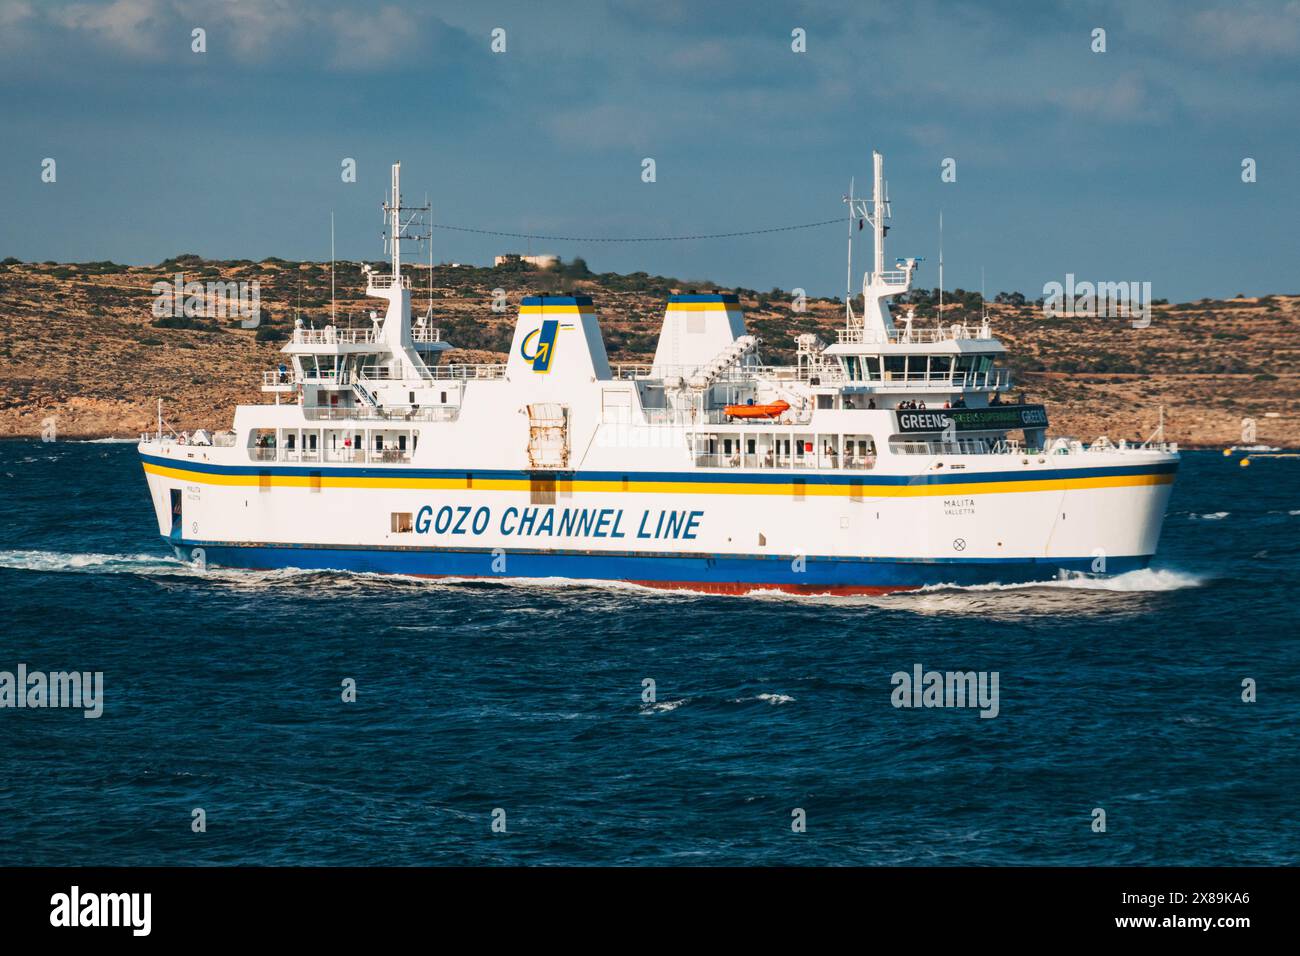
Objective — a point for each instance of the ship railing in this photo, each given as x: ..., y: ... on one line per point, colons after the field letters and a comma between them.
x: 387, y: 456
x: 397, y: 413
x: 388, y: 281
x: 737, y: 373
x: 890, y: 277
x: 960, y: 446
x: 184, y: 439
x: 948, y: 333
x: 783, y: 462
x: 719, y: 416
x: 1014, y: 446
x: 426, y: 334
x: 998, y: 378
x: 382, y: 373
x: 463, y: 372
x: 333, y: 336
x: 631, y: 370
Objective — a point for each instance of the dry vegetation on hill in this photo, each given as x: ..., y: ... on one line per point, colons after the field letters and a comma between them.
x: 80, y: 345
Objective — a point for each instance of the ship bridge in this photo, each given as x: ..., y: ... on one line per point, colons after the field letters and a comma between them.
x: 946, y: 359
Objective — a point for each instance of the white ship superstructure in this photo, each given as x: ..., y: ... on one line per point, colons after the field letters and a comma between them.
x: 888, y: 460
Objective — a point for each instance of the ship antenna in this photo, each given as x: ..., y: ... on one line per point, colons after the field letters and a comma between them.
x: 941, y: 267
x: 430, y: 241
x: 848, y: 276
x: 332, y: 320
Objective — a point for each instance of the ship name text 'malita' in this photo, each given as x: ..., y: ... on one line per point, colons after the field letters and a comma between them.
x: 887, y: 460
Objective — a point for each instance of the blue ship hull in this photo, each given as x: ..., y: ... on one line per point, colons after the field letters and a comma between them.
x: 725, y: 574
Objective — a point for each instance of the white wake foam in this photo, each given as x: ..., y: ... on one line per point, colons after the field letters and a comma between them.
x: 63, y: 561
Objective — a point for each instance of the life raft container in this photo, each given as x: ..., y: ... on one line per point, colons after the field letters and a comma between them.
x: 772, y: 410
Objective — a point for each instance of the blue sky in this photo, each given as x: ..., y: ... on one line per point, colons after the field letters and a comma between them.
x: 1123, y: 165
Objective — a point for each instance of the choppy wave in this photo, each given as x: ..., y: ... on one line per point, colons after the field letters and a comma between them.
x: 1209, y: 516
x: 663, y: 706
x: 773, y: 699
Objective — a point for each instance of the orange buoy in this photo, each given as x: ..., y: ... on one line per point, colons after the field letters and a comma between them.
x: 772, y: 410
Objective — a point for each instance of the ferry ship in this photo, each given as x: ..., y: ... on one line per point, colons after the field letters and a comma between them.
x: 889, y: 460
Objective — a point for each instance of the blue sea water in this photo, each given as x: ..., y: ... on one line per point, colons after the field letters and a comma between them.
x: 223, y: 691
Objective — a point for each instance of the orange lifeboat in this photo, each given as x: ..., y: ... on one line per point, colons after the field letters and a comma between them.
x: 773, y: 410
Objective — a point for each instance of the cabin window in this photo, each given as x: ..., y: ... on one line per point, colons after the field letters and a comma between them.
x: 940, y: 366
x: 401, y: 443
x: 261, y: 444
x: 379, y: 443
x: 851, y: 371
x: 871, y: 369
x: 412, y: 398
x: 825, y: 401
x: 401, y: 522
x: 895, y: 368
x: 859, y: 451
x: 443, y: 397
x: 750, y: 446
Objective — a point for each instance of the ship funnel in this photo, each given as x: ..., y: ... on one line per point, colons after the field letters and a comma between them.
x: 557, y: 343
x: 696, y: 329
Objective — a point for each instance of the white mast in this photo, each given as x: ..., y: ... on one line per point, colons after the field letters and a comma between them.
x: 395, y: 219
x: 880, y: 210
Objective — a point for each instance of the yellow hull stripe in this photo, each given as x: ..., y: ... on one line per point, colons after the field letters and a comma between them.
x: 808, y: 489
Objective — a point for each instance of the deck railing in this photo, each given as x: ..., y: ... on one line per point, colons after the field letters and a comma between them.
x: 809, y: 462
x: 957, y: 330
x: 425, y: 413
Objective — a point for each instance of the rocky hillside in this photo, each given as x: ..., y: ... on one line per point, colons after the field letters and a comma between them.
x: 84, y: 353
